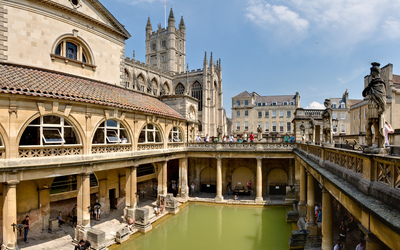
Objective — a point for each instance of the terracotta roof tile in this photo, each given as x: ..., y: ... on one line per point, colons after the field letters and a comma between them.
x: 21, y: 80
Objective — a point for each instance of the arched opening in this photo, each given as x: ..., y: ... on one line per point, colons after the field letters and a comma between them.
x: 150, y: 134
x: 180, y: 89
x: 140, y: 82
x: 277, y: 181
x: 241, y: 177
x: 73, y: 48
x: 166, y: 88
x: 173, y: 176
x: 197, y: 92
x: 208, y: 180
x: 49, y: 130
x: 111, y: 132
x: 154, y: 85
x: 175, y: 135
x: 127, y: 80
x: 147, y: 180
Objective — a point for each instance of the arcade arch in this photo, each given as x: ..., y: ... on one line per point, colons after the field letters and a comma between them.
x: 277, y: 180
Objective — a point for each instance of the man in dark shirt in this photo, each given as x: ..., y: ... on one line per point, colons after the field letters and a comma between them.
x: 83, y: 244
x: 26, y: 227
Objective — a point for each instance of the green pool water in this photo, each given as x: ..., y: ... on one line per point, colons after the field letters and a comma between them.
x: 208, y: 227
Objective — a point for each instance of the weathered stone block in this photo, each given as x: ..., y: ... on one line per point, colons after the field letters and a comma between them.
x: 142, y: 222
x: 53, y: 225
x: 97, y: 239
x: 171, y: 204
x: 298, y: 239
x: 292, y: 216
x: 122, y: 235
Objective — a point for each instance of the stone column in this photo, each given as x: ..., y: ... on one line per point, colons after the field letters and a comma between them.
x: 131, y: 191
x: 327, y: 232
x: 83, y: 205
x: 259, y: 198
x: 219, y: 196
x: 164, y: 178
x: 159, y: 178
x: 310, y: 225
x: 303, y: 190
x: 44, y: 201
x: 10, y: 215
x: 183, y: 180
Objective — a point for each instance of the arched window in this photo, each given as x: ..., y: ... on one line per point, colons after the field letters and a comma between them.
x: 49, y: 130
x: 127, y: 79
x: 175, y: 135
x: 150, y: 134
x: 165, y: 89
x: 154, y: 85
x: 180, y: 89
x: 140, y: 83
x: 68, y: 183
x: 110, y: 131
x: 72, y: 48
x: 197, y: 92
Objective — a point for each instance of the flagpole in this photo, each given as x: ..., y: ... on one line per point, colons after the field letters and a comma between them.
x: 165, y: 14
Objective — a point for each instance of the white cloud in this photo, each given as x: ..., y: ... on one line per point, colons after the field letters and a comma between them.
x: 267, y: 15
x: 315, y: 105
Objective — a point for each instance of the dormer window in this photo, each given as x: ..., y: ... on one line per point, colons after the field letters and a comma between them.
x: 273, y: 104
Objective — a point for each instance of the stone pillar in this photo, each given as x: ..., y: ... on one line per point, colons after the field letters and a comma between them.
x: 44, y: 201
x: 159, y: 179
x: 10, y: 215
x: 219, y: 196
x: 327, y: 232
x: 310, y: 225
x: 83, y: 205
x: 303, y: 190
x: 164, y: 178
x: 372, y: 243
x: 259, y: 198
x: 183, y: 180
x: 131, y: 191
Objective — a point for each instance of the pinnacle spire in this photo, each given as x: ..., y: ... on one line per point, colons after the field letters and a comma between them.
x: 148, y: 26
x: 205, y: 58
x: 182, y: 23
x: 211, y: 59
x: 171, y: 15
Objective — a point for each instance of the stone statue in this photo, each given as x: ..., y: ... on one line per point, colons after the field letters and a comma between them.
x: 259, y: 133
x: 311, y: 123
x: 376, y: 92
x: 219, y: 133
x: 303, y: 132
x: 327, y: 122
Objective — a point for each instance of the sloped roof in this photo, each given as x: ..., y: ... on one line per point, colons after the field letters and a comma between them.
x: 279, y: 99
x: 20, y: 80
x: 243, y: 94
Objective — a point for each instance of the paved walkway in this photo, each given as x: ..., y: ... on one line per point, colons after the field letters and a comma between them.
x: 63, y: 239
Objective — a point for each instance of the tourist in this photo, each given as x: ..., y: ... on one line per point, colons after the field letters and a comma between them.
x: 198, y: 138
x: 25, y: 222
x: 231, y: 138
x: 97, y: 210
x: 360, y: 246
x: 292, y: 139
x: 286, y: 138
x: 74, y: 214
x: 192, y: 186
x: 206, y: 138
x: 229, y: 188
x: 388, y: 130
x: 251, y: 137
x: 245, y: 137
x: 156, y: 211
x: 224, y: 139
x: 124, y: 140
x: 85, y: 244
x: 249, y: 185
x: 236, y: 198
x: 337, y: 246
x: 60, y: 219
x: 239, y: 139
x: 130, y: 223
x: 319, y: 215
x: 342, y: 232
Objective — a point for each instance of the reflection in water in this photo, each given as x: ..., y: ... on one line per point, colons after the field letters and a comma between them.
x: 200, y: 226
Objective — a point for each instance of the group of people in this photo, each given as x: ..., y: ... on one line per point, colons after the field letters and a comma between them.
x: 345, y: 226
x: 83, y: 244
x: 318, y: 212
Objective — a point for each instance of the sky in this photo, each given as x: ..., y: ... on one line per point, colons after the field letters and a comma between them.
x: 318, y: 48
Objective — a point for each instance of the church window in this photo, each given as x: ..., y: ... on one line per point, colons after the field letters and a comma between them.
x: 197, y: 92
x: 154, y: 47
x: 164, y: 44
x: 140, y: 83
x: 127, y: 79
x: 180, y: 89
x: 110, y: 132
x: 150, y: 134
x: 49, y: 130
x: 154, y: 85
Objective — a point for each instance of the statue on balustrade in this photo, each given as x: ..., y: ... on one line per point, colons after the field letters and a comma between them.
x: 259, y: 133
x: 219, y: 133
x: 327, y: 122
x: 376, y: 93
x: 303, y: 132
x: 311, y: 124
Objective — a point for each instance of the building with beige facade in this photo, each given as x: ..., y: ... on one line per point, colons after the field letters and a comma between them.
x: 271, y: 113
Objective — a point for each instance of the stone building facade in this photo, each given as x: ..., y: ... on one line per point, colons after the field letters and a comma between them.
x: 274, y: 114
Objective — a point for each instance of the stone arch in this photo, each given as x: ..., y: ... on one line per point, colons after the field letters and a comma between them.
x: 140, y: 80
x: 125, y: 126
x: 154, y: 86
x: 176, y: 134
x: 86, y: 50
x: 127, y: 79
x: 166, y: 88
x: 160, y: 136
x: 240, y: 177
x: 4, y: 141
x: 179, y: 89
x: 277, y: 180
x: 208, y: 180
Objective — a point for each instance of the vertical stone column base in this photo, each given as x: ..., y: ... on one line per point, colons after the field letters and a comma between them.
x: 144, y: 228
x: 129, y: 212
x: 4, y: 247
x: 184, y: 192
x: 259, y: 200
x: 219, y: 198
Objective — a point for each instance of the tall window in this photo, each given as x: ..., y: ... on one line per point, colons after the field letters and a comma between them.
x: 343, y: 128
x: 281, y: 114
x: 342, y: 106
x: 150, y: 134
x: 274, y: 127
x: 246, y: 113
x: 334, y: 115
x: 259, y: 114
x: 288, y: 113
x: 238, y: 126
x: 49, y: 130
x: 266, y: 114
x: 110, y: 132
x: 246, y: 102
x: 342, y: 115
x: 197, y: 92
x: 238, y: 113
x: 175, y: 135
x: 166, y: 88
x: 238, y: 103
x: 140, y: 83
x: 267, y: 127
x: 288, y: 127
x: 246, y: 126
x: 334, y: 127
x: 180, y: 89
x: 281, y: 127
x: 273, y: 114
x: 154, y: 85
x: 127, y: 79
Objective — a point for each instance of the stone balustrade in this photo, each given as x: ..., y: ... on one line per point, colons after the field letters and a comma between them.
x: 48, y: 151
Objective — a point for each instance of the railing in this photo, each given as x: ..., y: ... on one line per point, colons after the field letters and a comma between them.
x: 47, y: 151
x: 346, y: 159
x: 150, y: 146
x: 176, y: 145
x: 388, y: 172
x: 313, y: 112
x: 241, y: 146
x: 111, y: 148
